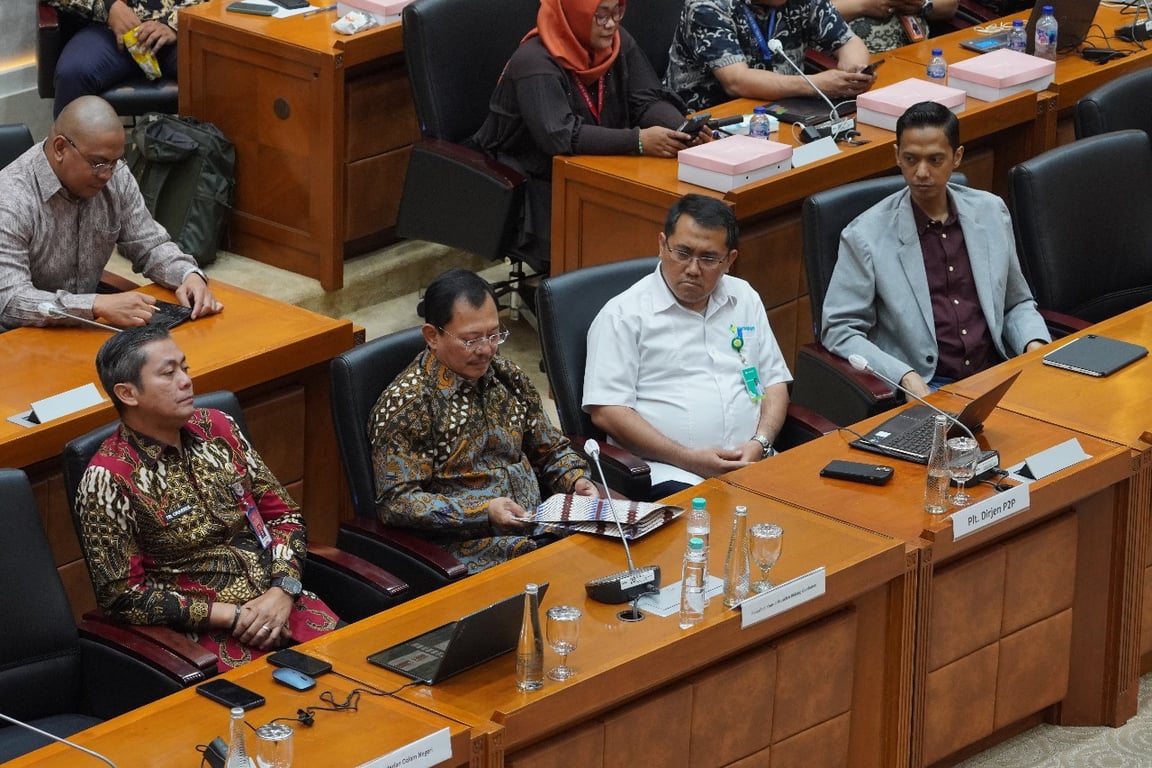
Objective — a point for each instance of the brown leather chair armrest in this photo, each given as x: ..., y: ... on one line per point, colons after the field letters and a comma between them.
x: 110, y: 282
x: 1060, y: 324
x: 47, y: 17
x: 358, y: 567
x: 809, y: 421
x: 830, y: 386
x: 172, y: 641
x: 121, y: 638
x: 425, y: 551
x: 475, y: 159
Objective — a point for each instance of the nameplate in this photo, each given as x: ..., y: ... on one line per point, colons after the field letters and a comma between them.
x: 57, y: 406
x: 430, y: 750
x: 1050, y: 461
x: 989, y: 511
x: 782, y: 597
x: 813, y: 151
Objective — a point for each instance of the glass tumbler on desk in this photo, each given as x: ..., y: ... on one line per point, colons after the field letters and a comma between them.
x: 963, y: 453
x: 767, y: 543
x: 274, y: 746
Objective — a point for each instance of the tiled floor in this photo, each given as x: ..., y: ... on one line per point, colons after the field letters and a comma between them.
x: 381, y: 291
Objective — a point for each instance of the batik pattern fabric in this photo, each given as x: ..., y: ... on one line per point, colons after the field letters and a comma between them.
x: 444, y: 446
x: 165, y: 11
x: 166, y: 532
x: 716, y: 33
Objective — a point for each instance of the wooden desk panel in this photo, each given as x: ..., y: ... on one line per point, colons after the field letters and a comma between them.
x: 314, y: 115
x: 273, y: 355
x: 620, y: 664
x: 1084, y: 511
x: 165, y: 733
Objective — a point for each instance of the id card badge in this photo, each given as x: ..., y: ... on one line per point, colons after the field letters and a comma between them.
x: 752, y: 384
x: 256, y: 522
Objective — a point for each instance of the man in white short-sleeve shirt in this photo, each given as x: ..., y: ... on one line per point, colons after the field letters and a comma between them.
x: 683, y: 369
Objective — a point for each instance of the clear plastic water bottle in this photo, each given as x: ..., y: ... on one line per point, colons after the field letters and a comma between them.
x: 738, y: 565
x: 1018, y: 37
x: 1047, y: 32
x: 758, y: 125
x: 937, y: 67
x: 936, y: 488
x: 237, y: 752
x: 693, y: 584
x: 530, y: 648
x: 700, y: 523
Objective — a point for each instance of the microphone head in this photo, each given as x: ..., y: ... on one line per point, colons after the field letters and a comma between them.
x: 775, y: 46
x: 592, y: 448
x: 859, y: 362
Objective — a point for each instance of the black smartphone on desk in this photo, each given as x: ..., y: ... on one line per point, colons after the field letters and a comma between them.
x: 229, y: 694
x: 858, y: 472
x: 301, y: 662
x: 256, y: 9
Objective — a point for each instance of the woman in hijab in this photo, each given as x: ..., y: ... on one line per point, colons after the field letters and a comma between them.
x: 577, y: 85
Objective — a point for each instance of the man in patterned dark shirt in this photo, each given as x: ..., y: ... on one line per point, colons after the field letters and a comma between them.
x: 95, y: 59
x: 462, y: 449
x: 720, y: 51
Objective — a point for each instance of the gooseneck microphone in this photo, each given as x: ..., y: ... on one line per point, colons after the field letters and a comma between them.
x: 626, y: 585
x: 836, y: 125
x: 49, y: 309
x: 54, y: 737
x: 860, y: 363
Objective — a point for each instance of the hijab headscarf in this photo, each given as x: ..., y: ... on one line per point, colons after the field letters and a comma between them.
x: 565, y: 28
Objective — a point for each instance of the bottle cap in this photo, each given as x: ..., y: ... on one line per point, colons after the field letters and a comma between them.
x: 937, y: 51
x: 1047, y: 9
x: 696, y: 543
x: 531, y: 588
x: 698, y: 503
x: 1018, y: 23
x: 760, y: 110
x: 741, y: 510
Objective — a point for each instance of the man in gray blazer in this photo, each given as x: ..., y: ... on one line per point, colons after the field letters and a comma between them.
x: 927, y: 285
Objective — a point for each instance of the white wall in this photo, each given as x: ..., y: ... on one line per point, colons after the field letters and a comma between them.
x: 19, y: 102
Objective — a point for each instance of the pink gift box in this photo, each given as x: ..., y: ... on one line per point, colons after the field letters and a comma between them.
x: 883, y: 106
x: 384, y: 11
x: 1001, y: 73
x: 732, y: 162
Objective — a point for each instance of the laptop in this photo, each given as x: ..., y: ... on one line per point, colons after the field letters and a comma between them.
x: 1075, y: 20
x: 1095, y: 355
x: 459, y: 645
x: 908, y: 434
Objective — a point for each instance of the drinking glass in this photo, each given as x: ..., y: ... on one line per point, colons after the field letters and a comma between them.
x: 563, y: 631
x: 963, y: 453
x: 274, y: 746
x: 767, y: 541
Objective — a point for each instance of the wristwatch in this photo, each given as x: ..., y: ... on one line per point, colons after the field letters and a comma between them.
x: 765, y: 443
x: 290, y: 585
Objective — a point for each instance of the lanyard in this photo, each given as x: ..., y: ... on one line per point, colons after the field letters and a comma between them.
x: 760, y: 40
x: 599, y: 107
x: 749, y: 374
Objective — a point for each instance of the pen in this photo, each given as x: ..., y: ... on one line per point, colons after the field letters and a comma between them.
x: 315, y: 11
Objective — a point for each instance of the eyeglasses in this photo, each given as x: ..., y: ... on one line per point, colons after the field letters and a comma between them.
x: 495, y: 339
x: 684, y: 258
x: 603, y: 14
x: 98, y: 169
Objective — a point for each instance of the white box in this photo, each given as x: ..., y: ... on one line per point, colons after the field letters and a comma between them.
x: 384, y: 11
x: 995, y: 75
x: 725, y: 164
x: 883, y: 106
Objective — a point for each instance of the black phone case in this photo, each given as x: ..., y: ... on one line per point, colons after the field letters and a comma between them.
x: 229, y: 694
x: 301, y: 662
x: 256, y: 9
x: 858, y: 472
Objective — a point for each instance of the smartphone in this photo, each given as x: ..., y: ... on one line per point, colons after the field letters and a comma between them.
x: 301, y: 662
x: 297, y: 681
x: 871, y: 68
x: 858, y: 472
x: 692, y: 125
x: 229, y: 694
x: 256, y: 9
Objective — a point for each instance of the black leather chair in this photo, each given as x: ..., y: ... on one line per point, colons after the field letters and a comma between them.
x: 132, y: 98
x: 566, y: 306
x: 1084, y: 247
x: 453, y: 194
x: 15, y: 139
x: 353, y: 588
x: 652, y: 24
x: 825, y: 382
x: 1117, y: 105
x: 358, y: 377
x: 52, y: 675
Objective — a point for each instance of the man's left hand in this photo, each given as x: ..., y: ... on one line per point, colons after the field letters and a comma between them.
x: 263, y: 621
x: 1034, y: 344
x: 194, y: 292
x: 154, y: 35
x: 585, y: 487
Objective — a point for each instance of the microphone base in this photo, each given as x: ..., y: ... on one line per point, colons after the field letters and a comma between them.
x: 624, y: 587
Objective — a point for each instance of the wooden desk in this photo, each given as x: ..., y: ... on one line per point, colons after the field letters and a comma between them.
x: 165, y: 733
x: 322, y: 125
x: 1025, y: 620
x: 607, y: 209
x: 824, y: 684
x: 1116, y: 408
x: 273, y: 355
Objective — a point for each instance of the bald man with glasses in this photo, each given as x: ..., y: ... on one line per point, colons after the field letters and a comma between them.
x: 64, y: 205
x: 683, y: 369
